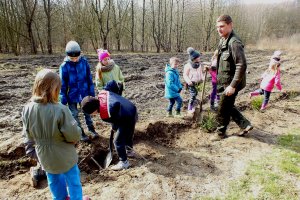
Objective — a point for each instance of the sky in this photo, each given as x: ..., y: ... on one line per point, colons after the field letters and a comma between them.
x: 265, y: 1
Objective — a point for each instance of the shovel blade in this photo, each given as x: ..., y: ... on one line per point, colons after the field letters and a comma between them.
x: 109, y: 156
x: 108, y: 160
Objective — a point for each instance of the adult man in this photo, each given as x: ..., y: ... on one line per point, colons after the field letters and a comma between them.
x: 231, y: 66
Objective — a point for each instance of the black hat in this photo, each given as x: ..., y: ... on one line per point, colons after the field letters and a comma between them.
x: 193, y: 53
x: 90, y: 104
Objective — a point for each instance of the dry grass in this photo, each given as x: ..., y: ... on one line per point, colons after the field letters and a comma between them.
x: 291, y: 43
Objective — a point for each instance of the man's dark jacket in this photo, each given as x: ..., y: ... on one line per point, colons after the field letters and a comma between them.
x: 231, y: 63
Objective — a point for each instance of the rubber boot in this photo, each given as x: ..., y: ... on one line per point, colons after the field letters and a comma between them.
x: 84, y: 137
x: 252, y: 94
x: 169, y: 114
x: 37, y: 174
x: 263, y: 106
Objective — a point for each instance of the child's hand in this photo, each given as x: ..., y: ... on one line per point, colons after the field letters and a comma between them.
x: 283, y: 91
x: 206, y: 67
x: 190, y: 83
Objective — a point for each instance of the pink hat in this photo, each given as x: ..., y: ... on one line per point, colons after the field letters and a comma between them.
x: 102, y: 54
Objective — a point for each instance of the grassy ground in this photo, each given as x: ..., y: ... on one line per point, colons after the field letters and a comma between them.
x: 275, y: 176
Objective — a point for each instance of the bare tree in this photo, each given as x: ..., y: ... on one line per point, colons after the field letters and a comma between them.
x: 132, y: 26
x: 156, y: 25
x: 29, y: 9
x: 104, y: 24
x: 47, y: 9
x: 143, y: 26
x: 179, y: 25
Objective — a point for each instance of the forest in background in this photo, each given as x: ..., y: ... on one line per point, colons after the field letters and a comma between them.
x: 45, y: 26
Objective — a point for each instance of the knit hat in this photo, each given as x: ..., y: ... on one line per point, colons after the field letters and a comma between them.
x: 193, y: 53
x: 276, y: 55
x: 90, y: 104
x: 102, y: 54
x: 73, y: 49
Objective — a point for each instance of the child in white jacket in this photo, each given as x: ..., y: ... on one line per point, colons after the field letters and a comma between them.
x: 193, y: 76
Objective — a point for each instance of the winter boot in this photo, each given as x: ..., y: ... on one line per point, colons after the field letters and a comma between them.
x: 213, y: 107
x: 252, y: 94
x: 130, y: 152
x: 37, y: 174
x: 191, y: 108
x: 169, y: 114
x: 121, y: 165
x: 178, y: 114
x: 263, y: 106
x: 84, y: 137
x: 93, y: 133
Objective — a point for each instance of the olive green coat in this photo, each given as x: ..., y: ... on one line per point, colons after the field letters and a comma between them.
x: 54, y: 131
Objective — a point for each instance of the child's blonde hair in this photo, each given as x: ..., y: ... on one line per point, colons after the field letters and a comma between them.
x: 173, y: 60
x: 46, y: 87
x: 273, y: 66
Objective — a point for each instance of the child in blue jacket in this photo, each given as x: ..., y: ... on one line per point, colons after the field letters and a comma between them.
x: 173, y: 86
x: 118, y: 111
x: 77, y: 83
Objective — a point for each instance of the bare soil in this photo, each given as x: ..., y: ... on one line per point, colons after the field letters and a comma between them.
x: 180, y: 160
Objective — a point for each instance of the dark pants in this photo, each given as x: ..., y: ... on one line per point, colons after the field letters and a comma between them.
x: 88, y: 119
x: 193, y: 94
x: 227, y: 111
x: 172, y: 102
x: 124, y: 137
x: 213, y: 94
x: 266, y: 95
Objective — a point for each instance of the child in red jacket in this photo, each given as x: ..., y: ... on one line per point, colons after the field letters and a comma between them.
x: 118, y: 111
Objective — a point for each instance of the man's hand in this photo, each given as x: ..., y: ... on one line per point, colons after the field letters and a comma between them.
x: 229, y: 91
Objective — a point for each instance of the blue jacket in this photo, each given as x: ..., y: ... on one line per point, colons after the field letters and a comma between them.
x: 76, y: 81
x: 114, y: 108
x: 172, y: 82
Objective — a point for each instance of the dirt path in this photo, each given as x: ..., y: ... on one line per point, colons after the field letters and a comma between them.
x: 181, y: 161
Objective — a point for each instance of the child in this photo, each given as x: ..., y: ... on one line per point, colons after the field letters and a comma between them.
x: 118, y: 111
x: 77, y: 83
x: 50, y: 126
x: 213, y: 72
x: 193, y: 75
x: 270, y: 78
x: 107, y: 70
x: 173, y: 86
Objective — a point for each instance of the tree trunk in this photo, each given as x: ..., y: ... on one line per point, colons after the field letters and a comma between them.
x: 143, y: 27
x: 47, y: 8
x: 132, y: 26
x: 29, y: 14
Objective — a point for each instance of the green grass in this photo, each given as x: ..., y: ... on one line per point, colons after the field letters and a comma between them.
x: 256, y: 102
x: 272, y: 177
x: 209, y: 122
